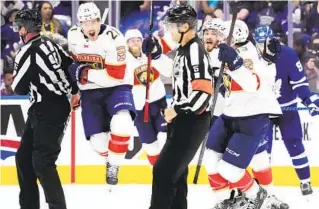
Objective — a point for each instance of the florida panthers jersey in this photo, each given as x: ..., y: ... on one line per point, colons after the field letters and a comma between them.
x: 213, y: 55
x: 290, y: 79
x: 106, y: 55
x: 137, y: 66
x: 248, y: 89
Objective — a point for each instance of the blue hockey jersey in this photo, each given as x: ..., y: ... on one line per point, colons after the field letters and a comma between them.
x: 291, y: 81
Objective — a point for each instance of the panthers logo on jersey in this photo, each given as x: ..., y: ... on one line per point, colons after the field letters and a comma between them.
x: 248, y: 63
x: 95, y: 61
x: 141, y: 75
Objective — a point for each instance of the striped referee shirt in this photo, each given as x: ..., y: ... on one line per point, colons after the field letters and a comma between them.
x: 192, y: 80
x: 41, y: 70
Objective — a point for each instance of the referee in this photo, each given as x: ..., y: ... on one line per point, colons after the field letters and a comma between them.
x: 41, y: 70
x: 189, y: 116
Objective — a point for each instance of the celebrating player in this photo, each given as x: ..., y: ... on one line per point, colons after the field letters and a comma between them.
x: 211, y: 38
x: 106, y: 90
x: 291, y: 84
x: 235, y: 136
x: 150, y: 132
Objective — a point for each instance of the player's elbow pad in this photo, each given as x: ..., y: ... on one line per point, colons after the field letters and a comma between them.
x: 303, y: 92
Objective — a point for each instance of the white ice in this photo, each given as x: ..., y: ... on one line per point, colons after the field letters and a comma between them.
x: 138, y: 197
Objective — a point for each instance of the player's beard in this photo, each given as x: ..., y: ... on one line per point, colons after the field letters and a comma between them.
x: 136, y: 51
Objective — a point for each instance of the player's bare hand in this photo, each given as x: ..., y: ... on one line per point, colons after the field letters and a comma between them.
x: 169, y: 114
x: 75, y: 102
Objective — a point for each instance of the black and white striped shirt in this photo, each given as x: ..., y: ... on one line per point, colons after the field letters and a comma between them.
x: 192, y: 82
x: 41, y: 70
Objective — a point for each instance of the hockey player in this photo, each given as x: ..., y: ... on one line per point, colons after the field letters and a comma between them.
x: 211, y: 38
x: 248, y: 103
x: 291, y: 84
x: 106, y: 90
x: 150, y: 132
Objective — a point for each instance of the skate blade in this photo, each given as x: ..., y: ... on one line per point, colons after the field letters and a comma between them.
x: 308, y: 198
x: 110, y: 188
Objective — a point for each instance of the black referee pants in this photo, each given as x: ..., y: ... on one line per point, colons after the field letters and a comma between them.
x: 170, y: 172
x: 39, y: 149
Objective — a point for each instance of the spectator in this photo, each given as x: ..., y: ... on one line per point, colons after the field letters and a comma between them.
x: 301, y: 42
x: 212, y: 8
x: 314, y: 44
x: 7, y: 79
x: 311, y: 68
x: 129, y: 7
x: 51, y: 27
x: 7, y: 6
x: 310, y: 17
x: 10, y: 39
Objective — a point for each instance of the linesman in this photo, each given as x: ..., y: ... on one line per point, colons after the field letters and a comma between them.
x: 41, y: 70
x: 189, y: 115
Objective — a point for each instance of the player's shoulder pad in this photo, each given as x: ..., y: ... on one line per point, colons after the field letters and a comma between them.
x: 74, y: 31
x: 109, y: 29
x: 288, y: 53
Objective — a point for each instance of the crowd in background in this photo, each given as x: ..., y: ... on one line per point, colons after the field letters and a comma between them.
x: 56, y: 17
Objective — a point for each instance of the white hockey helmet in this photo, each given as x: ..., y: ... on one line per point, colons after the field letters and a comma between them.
x: 241, y: 31
x: 133, y: 33
x: 213, y: 24
x: 88, y: 11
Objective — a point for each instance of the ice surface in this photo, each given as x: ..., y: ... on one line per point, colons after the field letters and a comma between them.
x: 138, y: 197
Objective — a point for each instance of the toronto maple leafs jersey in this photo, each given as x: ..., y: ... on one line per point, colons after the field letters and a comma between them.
x: 137, y: 66
x: 291, y: 81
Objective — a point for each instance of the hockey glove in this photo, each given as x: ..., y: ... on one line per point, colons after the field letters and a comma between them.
x: 151, y: 45
x: 228, y: 55
x: 313, y: 104
x: 272, y: 50
x: 79, y: 72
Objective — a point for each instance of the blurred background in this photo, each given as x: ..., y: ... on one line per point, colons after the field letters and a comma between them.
x: 295, y: 23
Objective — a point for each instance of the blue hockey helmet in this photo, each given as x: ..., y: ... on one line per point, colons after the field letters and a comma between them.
x: 262, y: 32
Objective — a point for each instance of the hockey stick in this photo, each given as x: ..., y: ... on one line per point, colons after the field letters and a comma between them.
x: 149, y: 68
x: 233, y: 7
x: 106, y: 11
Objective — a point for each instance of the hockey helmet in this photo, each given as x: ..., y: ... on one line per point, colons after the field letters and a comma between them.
x: 213, y: 24
x: 133, y: 33
x: 28, y: 18
x: 88, y: 11
x: 240, y: 33
x: 181, y: 14
x: 262, y: 32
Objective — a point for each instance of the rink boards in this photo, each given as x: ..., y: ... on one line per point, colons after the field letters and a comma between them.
x: 79, y: 164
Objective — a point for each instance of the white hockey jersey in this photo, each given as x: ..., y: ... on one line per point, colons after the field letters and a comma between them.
x: 106, y: 55
x: 137, y: 66
x: 216, y: 66
x: 249, y: 89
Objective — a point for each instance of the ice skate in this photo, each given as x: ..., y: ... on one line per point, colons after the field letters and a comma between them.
x: 306, y: 190
x: 111, y: 175
x: 231, y: 203
x: 258, y: 202
x: 275, y: 203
